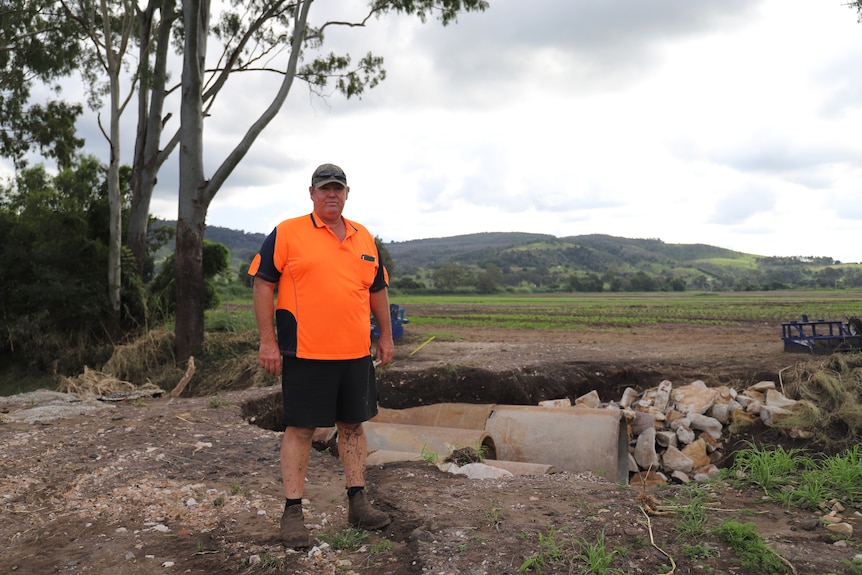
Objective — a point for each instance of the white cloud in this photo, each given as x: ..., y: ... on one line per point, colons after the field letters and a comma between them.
x: 727, y: 122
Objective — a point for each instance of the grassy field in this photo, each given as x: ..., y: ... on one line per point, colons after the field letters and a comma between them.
x: 583, y: 311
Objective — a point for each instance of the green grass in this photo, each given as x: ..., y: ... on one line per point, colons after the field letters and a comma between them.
x: 749, y: 546
x: 586, y: 311
x: 794, y: 478
x: 596, y: 556
x: 624, y: 310
x: 693, y: 512
x: 771, y: 469
x: 555, y: 549
x: 349, y: 539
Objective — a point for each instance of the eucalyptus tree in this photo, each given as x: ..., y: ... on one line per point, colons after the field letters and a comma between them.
x: 252, y: 30
x: 108, y: 27
x: 37, y: 44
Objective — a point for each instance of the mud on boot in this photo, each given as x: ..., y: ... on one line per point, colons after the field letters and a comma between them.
x: 293, y: 531
x: 362, y: 514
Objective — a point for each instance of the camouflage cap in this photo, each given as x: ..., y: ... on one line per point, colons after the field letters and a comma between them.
x: 328, y: 173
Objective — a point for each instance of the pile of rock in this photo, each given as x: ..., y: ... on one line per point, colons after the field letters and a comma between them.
x: 678, y: 433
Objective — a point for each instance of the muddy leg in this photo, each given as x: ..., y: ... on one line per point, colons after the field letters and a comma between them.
x: 295, y: 450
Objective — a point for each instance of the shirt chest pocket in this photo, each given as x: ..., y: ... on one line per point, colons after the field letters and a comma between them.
x: 365, y: 267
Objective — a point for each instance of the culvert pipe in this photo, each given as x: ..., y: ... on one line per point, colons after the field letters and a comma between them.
x: 563, y: 438
x: 441, y: 441
x: 569, y: 438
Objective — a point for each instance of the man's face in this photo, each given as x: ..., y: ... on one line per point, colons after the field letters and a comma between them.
x: 329, y: 199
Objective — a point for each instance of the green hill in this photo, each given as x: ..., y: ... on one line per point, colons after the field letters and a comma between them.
x: 539, y: 262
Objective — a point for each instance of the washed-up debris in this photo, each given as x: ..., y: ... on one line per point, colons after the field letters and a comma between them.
x: 678, y: 433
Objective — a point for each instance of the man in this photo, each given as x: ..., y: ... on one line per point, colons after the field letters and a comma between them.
x: 329, y: 277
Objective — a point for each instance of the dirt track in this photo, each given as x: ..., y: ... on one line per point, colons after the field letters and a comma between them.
x: 190, y: 486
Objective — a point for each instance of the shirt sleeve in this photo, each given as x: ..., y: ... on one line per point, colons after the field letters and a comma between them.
x: 381, y: 280
x: 263, y: 265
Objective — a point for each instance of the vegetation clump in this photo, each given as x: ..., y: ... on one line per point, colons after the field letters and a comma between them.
x: 753, y: 553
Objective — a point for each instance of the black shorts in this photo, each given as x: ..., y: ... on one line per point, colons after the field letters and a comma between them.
x: 317, y: 393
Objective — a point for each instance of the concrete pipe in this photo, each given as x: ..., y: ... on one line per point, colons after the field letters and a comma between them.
x: 441, y: 441
x: 457, y: 415
x: 568, y: 438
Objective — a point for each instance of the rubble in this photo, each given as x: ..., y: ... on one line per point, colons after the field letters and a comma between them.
x: 679, y: 432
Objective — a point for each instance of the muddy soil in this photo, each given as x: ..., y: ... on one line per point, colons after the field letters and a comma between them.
x: 192, y: 485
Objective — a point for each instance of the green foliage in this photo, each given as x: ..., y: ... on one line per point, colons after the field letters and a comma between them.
x: 795, y: 479
x: 554, y: 550
x: 596, y: 556
x: 753, y: 553
x: 39, y: 43
x: 698, y: 552
x: 349, y: 539
x: 550, y: 552
x: 53, y: 251
x: 770, y: 468
x: 693, y: 512
x: 385, y: 256
x: 215, y: 261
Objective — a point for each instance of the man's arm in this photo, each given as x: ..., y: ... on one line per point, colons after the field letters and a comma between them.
x: 264, y: 309
x: 380, y: 309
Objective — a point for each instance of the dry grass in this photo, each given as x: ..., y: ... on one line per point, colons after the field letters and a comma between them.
x: 830, y: 391
x: 227, y: 361
x: 96, y: 383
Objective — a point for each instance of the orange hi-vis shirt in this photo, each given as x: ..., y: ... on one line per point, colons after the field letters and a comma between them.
x: 323, y: 308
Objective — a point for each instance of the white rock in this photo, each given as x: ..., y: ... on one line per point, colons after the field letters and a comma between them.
x: 564, y: 402
x: 476, y: 471
x: 645, y: 453
x: 590, y: 399
x: 721, y: 411
x: 694, y: 398
x: 662, y: 396
x: 705, y: 473
x: 675, y: 460
x: 680, y: 422
x: 762, y: 386
x: 705, y: 423
x: 685, y: 435
x: 666, y: 438
x: 629, y: 396
x: 777, y: 399
x: 680, y: 476
x: 642, y: 422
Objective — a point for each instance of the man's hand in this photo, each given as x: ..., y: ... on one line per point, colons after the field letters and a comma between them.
x: 270, y: 357
x: 385, y: 349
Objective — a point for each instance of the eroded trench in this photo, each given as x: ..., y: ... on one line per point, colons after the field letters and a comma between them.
x: 442, y: 409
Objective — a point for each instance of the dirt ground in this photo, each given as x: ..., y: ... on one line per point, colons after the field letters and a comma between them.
x: 192, y: 485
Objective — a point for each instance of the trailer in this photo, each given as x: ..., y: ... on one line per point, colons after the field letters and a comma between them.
x: 821, y: 336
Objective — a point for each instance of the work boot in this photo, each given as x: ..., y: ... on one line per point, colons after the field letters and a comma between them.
x: 361, y: 514
x: 293, y: 531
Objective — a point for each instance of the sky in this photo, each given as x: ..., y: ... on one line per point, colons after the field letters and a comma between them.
x: 733, y: 123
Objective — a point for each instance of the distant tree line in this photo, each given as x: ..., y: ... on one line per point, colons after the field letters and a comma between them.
x: 771, y: 274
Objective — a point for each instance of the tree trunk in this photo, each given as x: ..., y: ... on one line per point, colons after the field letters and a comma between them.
x: 115, y: 199
x: 189, y: 335
x: 151, y: 98
x: 191, y: 218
